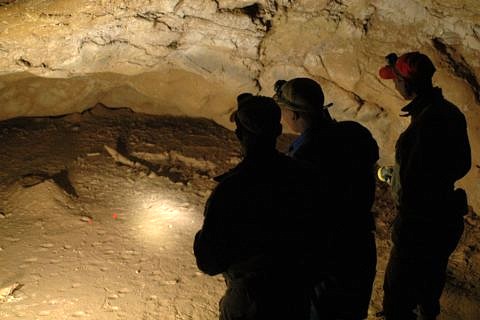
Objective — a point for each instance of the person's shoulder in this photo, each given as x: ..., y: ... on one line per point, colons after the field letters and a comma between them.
x: 293, y: 169
x: 353, y: 127
x: 439, y: 104
x: 452, y: 111
x: 359, y: 139
x: 443, y: 112
x: 229, y: 181
x: 286, y: 162
x: 355, y: 131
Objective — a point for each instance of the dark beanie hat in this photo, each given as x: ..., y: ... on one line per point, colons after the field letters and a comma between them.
x: 257, y: 114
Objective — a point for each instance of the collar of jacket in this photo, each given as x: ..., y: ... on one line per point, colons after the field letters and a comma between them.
x: 421, y: 101
x: 297, y: 143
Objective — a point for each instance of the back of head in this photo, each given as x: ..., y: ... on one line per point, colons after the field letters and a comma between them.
x: 302, y: 95
x: 259, y: 116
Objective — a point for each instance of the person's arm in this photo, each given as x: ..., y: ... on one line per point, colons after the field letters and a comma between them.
x: 211, y: 242
x: 445, y: 149
x: 423, y: 157
x: 461, y: 144
x: 439, y: 155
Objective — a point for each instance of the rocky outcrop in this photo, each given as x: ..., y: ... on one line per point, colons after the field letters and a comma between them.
x: 189, y: 57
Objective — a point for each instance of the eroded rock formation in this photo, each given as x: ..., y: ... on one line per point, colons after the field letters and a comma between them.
x: 192, y: 57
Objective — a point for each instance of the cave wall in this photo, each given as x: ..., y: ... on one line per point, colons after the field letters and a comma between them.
x: 192, y: 57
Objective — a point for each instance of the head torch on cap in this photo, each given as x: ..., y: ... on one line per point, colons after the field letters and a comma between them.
x: 300, y: 95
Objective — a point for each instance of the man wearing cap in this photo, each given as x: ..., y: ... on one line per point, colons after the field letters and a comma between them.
x: 431, y: 155
x: 258, y: 225
x: 344, y: 154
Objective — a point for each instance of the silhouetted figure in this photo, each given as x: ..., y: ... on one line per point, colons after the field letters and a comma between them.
x: 344, y: 154
x: 431, y: 154
x: 259, y: 223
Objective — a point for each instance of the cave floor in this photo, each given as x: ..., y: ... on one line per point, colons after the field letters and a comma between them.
x: 87, y: 233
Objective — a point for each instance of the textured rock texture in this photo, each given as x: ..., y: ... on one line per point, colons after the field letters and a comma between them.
x: 192, y: 57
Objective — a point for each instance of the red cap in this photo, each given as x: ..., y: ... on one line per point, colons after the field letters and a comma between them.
x: 386, y: 72
x: 409, y: 65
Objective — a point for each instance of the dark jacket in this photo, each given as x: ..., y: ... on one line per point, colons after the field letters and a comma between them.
x: 259, y: 229
x: 261, y: 207
x: 345, y: 153
x: 431, y: 154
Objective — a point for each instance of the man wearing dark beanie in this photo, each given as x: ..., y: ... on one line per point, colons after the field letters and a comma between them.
x: 260, y: 222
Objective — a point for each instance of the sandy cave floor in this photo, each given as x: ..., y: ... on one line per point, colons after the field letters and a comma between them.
x: 82, y: 236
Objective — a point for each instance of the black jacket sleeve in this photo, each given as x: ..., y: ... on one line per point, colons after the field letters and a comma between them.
x: 211, y: 242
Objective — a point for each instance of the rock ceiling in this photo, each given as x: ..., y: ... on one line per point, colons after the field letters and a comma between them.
x: 192, y: 57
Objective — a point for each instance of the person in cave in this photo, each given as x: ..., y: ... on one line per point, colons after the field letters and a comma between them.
x: 431, y: 154
x: 344, y: 153
x: 259, y: 223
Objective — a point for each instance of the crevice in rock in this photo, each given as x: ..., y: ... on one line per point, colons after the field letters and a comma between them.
x: 27, y: 63
x: 55, y: 15
x: 156, y: 18
x: 92, y: 15
x: 173, y: 45
x: 360, y: 102
x: 458, y: 64
x: 6, y: 2
x: 24, y: 62
x: 323, y: 64
x: 476, y: 31
x: 198, y: 65
x: 178, y: 5
x: 150, y: 16
x: 367, y: 23
x: 258, y: 13
x: 224, y: 26
x: 107, y: 42
x: 358, y: 99
x: 254, y: 11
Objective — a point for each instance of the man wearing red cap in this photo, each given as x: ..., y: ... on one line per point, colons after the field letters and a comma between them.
x: 431, y: 155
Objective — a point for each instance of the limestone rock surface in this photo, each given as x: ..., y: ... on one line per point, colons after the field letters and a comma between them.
x: 192, y: 57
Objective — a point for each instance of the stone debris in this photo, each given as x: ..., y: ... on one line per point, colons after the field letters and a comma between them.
x: 7, y: 291
x: 127, y: 162
x: 85, y: 219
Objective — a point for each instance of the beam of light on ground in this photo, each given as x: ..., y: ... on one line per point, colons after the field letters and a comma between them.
x: 163, y: 217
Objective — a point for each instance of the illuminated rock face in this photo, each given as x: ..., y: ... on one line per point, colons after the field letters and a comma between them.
x: 193, y: 57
